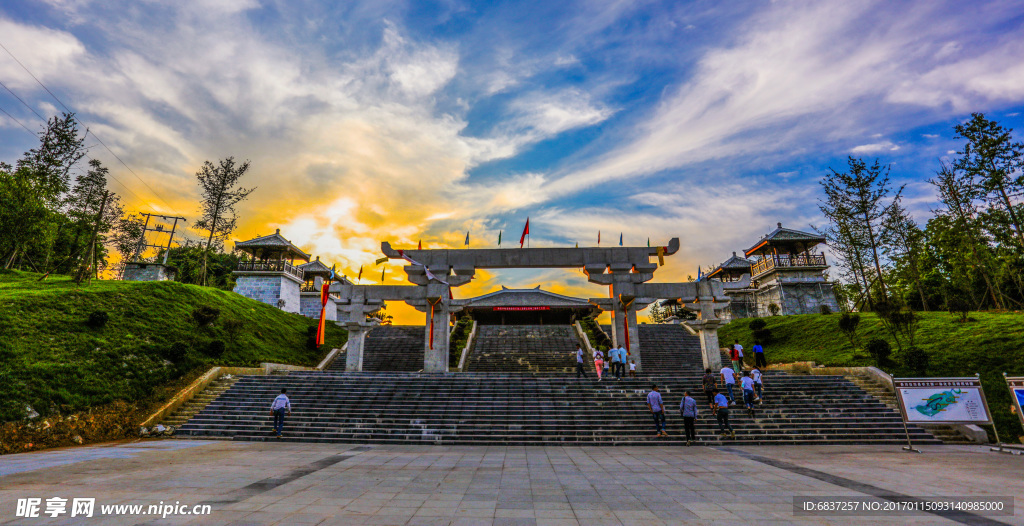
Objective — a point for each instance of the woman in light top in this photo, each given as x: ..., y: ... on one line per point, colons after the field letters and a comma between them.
x: 599, y: 362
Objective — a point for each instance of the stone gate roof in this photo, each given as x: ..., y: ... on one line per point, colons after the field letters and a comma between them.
x: 527, y: 298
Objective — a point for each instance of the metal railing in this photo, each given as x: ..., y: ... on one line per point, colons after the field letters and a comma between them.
x: 270, y: 266
x: 802, y: 260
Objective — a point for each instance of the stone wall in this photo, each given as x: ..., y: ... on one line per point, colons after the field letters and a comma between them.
x: 276, y: 289
x: 310, y: 306
x: 148, y: 272
x: 797, y: 298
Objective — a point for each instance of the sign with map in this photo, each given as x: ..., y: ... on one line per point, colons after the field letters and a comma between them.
x: 942, y: 400
x: 1016, y: 385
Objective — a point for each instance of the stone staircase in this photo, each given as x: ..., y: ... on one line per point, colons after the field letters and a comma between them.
x: 536, y: 409
x: 199, y: 401
x: 525, y: 348
x: 669, y: 350
x: 947, y: 434
x: 390, y: 348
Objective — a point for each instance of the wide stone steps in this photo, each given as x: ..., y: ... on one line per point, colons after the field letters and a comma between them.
x: 390, y: 348
x: 484, y: 409
x: 200, y: 401
x: 524, y: 348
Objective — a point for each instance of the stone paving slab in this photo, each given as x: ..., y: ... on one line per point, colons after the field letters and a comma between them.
x: 299, y: 484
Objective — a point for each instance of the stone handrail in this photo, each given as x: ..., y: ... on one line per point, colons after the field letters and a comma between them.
x: 331, y: 356
x: 583, y: 337
x: 465, y: 350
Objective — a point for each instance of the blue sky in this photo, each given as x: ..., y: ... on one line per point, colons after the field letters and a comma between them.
x: 401, y: 121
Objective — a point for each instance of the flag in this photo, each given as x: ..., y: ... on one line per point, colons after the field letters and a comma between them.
x: 526, y: 232
x: 325, y: 294
x: 577, y: 245
x: 360, y: 276
x: 467, y: 238
x: 381, y: 260
x: 620, y: 239
x: 598, y: 238
x: 648, y: 242
x: 499, y: 238
x: 419, y: 246
x: 382, y: 274
x: 661, y: 256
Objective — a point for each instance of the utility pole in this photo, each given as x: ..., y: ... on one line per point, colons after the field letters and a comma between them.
x: 159, y: 228
x: 90, y: 262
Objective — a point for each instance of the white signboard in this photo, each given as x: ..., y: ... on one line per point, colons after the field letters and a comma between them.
x: 942, y: 400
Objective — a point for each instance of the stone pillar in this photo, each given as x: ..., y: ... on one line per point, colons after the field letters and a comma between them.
x: 710, y: 350
x: 625, y: 332
x: 356, y: 340
x: 435, y: 353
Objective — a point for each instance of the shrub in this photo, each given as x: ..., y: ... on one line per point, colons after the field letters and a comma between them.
x: 915, y: 360
x: 757, y: 324
x: 773, y: 309
x: 216, y: 348
x: 763, y: 335
x: 205, y: 315
x: 232, y: 327
x: 825, y: 309
x: 98, y: 319
x: 177, y: 351
x: 879, y: 350
x: 848, y: 325
x: 960, y: 306
x: 311, y: 338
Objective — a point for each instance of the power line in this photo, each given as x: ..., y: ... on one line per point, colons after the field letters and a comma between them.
x: 33, y: 110
x: 32, y: 133
x: 155, y: 193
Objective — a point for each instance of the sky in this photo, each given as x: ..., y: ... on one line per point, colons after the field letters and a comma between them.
x: 409, y: 121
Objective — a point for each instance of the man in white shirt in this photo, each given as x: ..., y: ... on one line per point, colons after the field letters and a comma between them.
x: 278, y: 408
x: 748, y: 392
x: 729, y: 378
x: 755, y: 375
x: 579, y: 362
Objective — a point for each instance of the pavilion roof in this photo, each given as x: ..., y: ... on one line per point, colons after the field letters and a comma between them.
x: 786, y: 236
x: 315, y: 268
x: 527, y: 298
x: 272, y: 243
x: 733, y: 263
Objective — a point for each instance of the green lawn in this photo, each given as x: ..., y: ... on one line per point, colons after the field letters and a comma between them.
x: 990, y: 344
x: 53, y: 361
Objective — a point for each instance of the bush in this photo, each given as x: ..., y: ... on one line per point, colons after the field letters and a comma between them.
x: 763, y: 335
x: 311, y: 338
x: 915, y: 360
x: 773, y: 309
x: 233, y: 327
x: 177, y: 351
x: 879, y: 350
x: 959, y: 306
x: 205, y: 315
x: 98, y: 319
x: 848, y: 325
x: 215, y: 348
x: 826, y: 310
x: 757, y: 324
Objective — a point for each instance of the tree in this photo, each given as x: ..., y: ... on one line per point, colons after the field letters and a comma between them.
x: 656, y: 314
x: 24, y: 216
x: 904, y: 242
x: 995, y: 162
x: 49, y: 166
x: 126, y: 236
x: 83, y: 206
x: 219, y: 197
x: 856, y: 203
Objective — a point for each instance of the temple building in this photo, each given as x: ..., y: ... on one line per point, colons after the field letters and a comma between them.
x: 269, y: 273
x: 314, y: 274
x: 527, y: 307
x: 781, y: 270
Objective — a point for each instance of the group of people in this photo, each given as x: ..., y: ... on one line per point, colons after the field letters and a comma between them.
x: 618, y: 360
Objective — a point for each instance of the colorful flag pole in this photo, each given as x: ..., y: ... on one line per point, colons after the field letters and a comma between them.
x: 620, y: 239
x: 382, y: 274
x: 526, y: 232
x: 499, y: 238
x: 598, y: 238
x: 467, y: 238
x: 419, y: 246
x: 648, y: 242
x: 360, y: 276
x: 381, y: 260
x: 325, y: 293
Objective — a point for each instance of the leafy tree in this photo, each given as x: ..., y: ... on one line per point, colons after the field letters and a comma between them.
x: 189, y: 259
x: 24, y: 216
x: 904, y: 242
x: 656, y: 313
x: 848, y: 324
x: 49, y: 166
x: 856, y: 202
x: 219, y: 197
x: 992, y: 159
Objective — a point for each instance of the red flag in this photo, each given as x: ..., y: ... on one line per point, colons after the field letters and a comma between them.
x: 325, y: 293
x: 419, y: 246
x: 598, y: 237
x: 526, y: 232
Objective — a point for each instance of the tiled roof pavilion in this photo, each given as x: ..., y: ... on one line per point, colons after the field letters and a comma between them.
x: 785, y: 240
x: 272, y: 246
x: 733, y: 265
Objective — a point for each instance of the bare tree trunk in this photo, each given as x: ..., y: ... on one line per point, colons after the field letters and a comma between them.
x: 209, y: 240
x: 1013, y: 214
x: 89, y: 260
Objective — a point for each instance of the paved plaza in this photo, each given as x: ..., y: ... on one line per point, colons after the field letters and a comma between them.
x: 288, y: 483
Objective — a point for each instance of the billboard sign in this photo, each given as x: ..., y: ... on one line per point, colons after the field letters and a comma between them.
x: 1016, y: 385
x: 942, y: 400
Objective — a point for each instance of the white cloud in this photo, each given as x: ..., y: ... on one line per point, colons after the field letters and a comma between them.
x: 884, y: 146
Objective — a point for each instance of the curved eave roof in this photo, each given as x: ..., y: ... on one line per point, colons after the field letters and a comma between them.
x: 527, y: 298
x: 784, y: 236
x: 274, y: 241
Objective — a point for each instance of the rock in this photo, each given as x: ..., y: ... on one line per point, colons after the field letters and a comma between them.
x: 159, y: 429
x: 170, y: 431
x: 30, y: 413
x: 144, y: 432
x: 77, y: 439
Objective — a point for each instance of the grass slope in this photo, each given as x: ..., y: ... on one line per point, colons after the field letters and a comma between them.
x: 53, y: 361
x: 991, y: 344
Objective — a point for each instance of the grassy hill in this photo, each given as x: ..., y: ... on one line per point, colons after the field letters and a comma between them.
x: 989, y: 344
x: 57, y: 362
